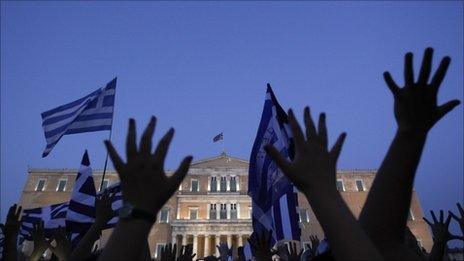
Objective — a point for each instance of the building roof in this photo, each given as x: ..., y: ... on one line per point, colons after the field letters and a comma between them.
x: 221, y: 161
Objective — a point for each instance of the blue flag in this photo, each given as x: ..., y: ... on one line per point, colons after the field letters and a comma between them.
x: 93, y: 112
x: 274, y: 198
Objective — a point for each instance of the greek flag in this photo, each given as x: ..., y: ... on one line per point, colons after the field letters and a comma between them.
x: 274, y: 198
x: 81, y: 210
x: 93, y: 112
x: 53, y: 216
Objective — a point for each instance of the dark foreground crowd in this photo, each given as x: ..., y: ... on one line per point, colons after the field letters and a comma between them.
x: 380, y: 232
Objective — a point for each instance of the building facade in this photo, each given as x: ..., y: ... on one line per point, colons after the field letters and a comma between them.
x: 212, y: 205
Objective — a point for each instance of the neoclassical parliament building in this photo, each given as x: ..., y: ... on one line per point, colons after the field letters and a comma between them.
x: 212, y: 204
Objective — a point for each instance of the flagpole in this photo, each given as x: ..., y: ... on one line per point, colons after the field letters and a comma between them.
x: 111, y: 131
x: 106, y: 160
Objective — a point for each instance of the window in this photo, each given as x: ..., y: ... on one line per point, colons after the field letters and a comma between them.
x: 40, y: 185
x: 233, y: 211
x: 359, y: 185
x: 223, y: 212
x: 164, y: 216
x: 233, y: 184
x: 159, y: 249
x: 105, y: 184
x: 340, y: 186
x: 61, y: 185
x: 411, y: 215
x: 194, y: 185
x: 304, y: 217
x: 212, y: 211
x: 223, y: 184
x: 193, y: 213
x: 213, y: 185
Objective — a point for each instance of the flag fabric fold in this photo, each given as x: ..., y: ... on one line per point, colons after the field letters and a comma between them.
x: 81, y: 208
x: 93, y: 112
x: 53, y: 216
x: 274, y: 198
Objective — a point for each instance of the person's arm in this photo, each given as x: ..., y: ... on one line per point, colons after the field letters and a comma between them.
x: 63, y: 243
x: 313, y: 171
x: 441, y: 236
x: 40, y: 243
x: 103, y: 213
x: 145, y: 186
x: 11, y: 232
x: 385, y: 212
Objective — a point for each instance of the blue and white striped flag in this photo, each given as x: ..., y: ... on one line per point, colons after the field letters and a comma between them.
x: 53, y: 216
x: 93, y: 112
x: 81, y: 210
x: 274, y: 198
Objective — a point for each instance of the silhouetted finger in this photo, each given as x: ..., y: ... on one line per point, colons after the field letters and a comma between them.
x: 434, y: 217
x: 391, y: 84
x: 427, y: 221
x: 281, y: 162
x: 296, y: 131
x: 131, y: 145
x: 448, y: 220
x: 447, y: 107
x: 337, y: 147
x: 408, y: 70
x: 309, y: 124
x: 441, y: 216
x: 115, y: 158
x: 440, y: 74
x: 180, y: 173
x: 426, y: 67
x: 461, y: 210
x: 145, y: 143
x: 453, y: 215
x: 163, y: 146
x: 322, y: 130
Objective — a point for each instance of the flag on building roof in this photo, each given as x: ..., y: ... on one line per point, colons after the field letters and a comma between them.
x: 218, y: 137
x: 81, y: 209
x: 274, y: 198
x: 93, y: 112
x: 53, y: 216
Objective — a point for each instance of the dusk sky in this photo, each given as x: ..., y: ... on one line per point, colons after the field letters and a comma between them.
x: 202, y: 68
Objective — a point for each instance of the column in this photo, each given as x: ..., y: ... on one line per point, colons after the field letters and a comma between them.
x: 184, y: 239
x: 229, y: 240
x: 228, y: 183
x: 240, y: 240
x: 207, y: 243
x: 174, y: 239
x: 216, y: 243
x: 228, y: 210
x: 195, y: 244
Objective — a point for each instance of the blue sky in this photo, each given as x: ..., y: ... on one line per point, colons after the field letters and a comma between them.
x: 202, y: 68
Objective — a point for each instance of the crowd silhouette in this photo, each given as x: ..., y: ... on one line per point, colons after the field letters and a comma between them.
x: 380, y: 232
